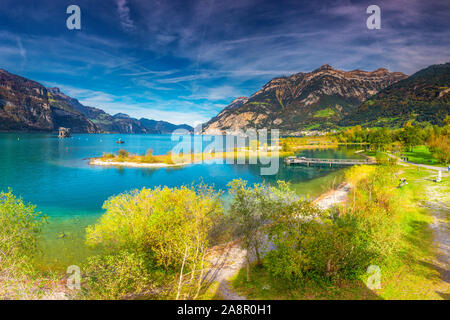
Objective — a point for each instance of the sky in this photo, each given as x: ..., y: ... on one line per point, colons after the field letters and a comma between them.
x: 184, y: 61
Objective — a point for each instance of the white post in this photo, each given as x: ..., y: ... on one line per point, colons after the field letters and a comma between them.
x: 439, y: 177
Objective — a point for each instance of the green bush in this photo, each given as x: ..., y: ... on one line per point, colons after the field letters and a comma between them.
x: 119, y: 276
x: 123, y: 153
x: 148, y: 157
x: 20, y: 226
x: 169, y: 228
x: 312, y: 245
x: 375, y: 206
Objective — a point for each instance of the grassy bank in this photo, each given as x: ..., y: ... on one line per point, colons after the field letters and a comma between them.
x: 421, y: 155
x: 408, y: 272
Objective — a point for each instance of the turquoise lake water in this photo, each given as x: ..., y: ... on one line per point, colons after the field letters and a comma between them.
x: 54, y: 174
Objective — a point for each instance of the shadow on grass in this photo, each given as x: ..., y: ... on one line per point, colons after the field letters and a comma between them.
x: 444, y: 295
x: 263, y: 286
x: 419, y: 257
x: 443, y: 272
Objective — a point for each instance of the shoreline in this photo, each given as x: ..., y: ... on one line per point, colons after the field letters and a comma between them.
x: 333, y: 197
x: 195, y: 159
x: 97, y: 162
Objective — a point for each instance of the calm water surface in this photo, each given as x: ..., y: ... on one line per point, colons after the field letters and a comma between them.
x: 54, y: 174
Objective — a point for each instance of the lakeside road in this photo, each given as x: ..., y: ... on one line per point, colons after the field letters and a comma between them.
x: 425, y: 166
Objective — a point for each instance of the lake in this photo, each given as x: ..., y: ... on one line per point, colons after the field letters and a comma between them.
x: 54, y: 174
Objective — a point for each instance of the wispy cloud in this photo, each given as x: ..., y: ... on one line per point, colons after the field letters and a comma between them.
x: 151, y: 72
x: 124, y: 14
x: 187, y: 59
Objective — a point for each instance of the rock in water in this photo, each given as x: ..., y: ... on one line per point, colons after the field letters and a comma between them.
x: 64, y: 132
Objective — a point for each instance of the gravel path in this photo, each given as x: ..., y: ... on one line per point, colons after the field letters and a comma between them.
x: 438, y: 203
x: 226, y: 262
x: 418, y: 164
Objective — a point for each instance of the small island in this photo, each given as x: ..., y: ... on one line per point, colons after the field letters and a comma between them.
x: 286, y: 147
x: 148, y: 160
x: 125, y: 159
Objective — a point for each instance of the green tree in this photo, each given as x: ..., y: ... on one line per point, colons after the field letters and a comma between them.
x: 380, y: 138
x: 252, y: 208
x: 440, y: 147
x: 411, y: 136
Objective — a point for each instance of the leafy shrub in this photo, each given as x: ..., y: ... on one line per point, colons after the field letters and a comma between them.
x: 20, y: 226
x: 123, y: 153
x: 170, y: 228
x: 119, y: 276
x: 148, y: 157
x: 310, y: 244
x: 440, y: 146
x: 108, y: 156
x: 261, y: 213
x: 375, y: 207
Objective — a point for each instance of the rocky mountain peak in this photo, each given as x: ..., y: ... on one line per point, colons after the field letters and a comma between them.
x: 303, y: 101
x: 237, y: 102
x: 54, y: 90
x: 121, y: 116
x: 325, y: 67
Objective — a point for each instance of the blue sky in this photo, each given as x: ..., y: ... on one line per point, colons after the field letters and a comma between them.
x: 183, y: 61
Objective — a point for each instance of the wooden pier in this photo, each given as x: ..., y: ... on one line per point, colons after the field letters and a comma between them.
x: 325, y: 162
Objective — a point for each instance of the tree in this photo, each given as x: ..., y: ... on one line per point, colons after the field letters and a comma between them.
x: 380, y: 138
x: 411, y: 136
x: 440, y: 147
x: 252, y: 208
x: 249, y: 215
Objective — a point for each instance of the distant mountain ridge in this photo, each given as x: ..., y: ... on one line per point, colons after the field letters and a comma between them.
x: 422, y: 97
x: 26, y: 105
x: 314, y: 100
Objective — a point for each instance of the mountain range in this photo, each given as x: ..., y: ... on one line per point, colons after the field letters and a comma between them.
x: 422, y: 97
x: 327, y: 98
x: 323, y: 99
x: 303, y: 101
x: 27, y: 105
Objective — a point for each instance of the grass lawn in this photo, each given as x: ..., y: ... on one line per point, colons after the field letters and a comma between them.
x: 410, y: 274
x: 422, y: 155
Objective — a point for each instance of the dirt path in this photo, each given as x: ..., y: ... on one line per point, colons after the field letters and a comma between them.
x: 417, y: 164
x: 229, y: 259
x: 226, y: 262
x: 438, y: 203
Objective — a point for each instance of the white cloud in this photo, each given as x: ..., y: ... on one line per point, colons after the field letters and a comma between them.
x: 124, y: 14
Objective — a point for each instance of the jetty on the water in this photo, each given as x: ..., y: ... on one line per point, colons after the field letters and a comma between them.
x: 325, y: 162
